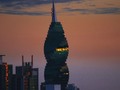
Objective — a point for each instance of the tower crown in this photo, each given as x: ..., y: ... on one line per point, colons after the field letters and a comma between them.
x: 54, y: 18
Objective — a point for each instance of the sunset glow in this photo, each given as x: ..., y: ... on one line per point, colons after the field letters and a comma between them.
x: 92, y: 28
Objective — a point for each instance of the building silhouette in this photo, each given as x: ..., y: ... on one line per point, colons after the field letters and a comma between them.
x: 6, y: 72
x: 14, y: 82
x: 26, y: 76
x: 56, y: 51
x: 34, y: 80
x: 72, y: 87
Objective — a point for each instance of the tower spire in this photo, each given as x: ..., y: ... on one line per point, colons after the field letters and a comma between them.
x: 54, y: 18
x: 32, y: 60
x: 22, y: 60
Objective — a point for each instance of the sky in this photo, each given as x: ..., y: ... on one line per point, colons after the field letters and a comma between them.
x: 91, y: 27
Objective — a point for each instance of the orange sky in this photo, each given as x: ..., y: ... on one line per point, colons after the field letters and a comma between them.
x: 94, y: 43
x: 88, y: 35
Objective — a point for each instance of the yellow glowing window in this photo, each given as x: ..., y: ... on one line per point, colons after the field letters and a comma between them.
x: 61, y: 49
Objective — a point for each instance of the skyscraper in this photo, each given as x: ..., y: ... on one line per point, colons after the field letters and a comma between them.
x: 56, y: 51
x: 6, y: 72
x: 27, y: 76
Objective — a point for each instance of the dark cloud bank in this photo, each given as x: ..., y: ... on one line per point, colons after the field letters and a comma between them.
x: 110, y: 10
x: 15, y: 6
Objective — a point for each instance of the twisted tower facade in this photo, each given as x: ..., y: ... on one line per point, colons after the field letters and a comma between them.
x: 56, y: 51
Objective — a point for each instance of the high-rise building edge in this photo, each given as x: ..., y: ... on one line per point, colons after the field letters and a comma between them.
x: 27, y: 76
x: 56, y: 51
x: 6, y: 71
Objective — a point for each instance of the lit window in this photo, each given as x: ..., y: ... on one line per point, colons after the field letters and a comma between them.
x: 61, y: 49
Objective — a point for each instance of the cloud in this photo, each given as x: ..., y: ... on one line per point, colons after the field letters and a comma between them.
x: 24, y: 13
x: 17, y: 6
x: 22, y: 7
x: 109, y: 10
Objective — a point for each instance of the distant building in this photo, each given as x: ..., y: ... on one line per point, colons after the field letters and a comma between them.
x: 34, y: 79
x: 42, y: 86
x: 53, y: 87
x: 50, y: 86
x: 72, y: 87
x: 14, y: 83
x: 6, y: 72
x: 27, y: 76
